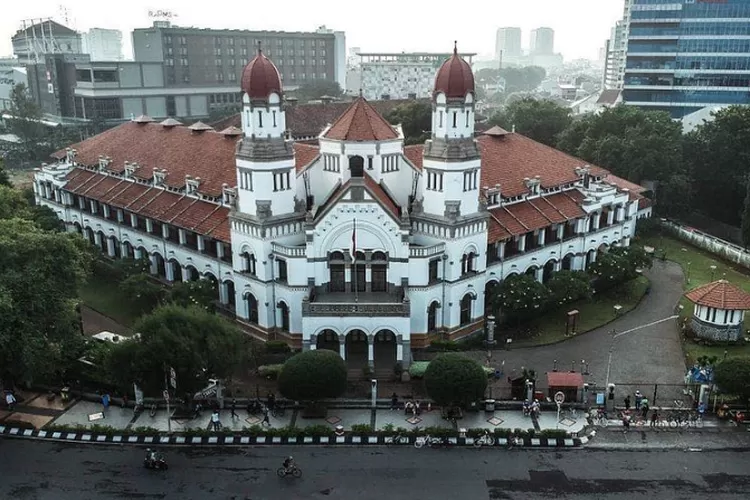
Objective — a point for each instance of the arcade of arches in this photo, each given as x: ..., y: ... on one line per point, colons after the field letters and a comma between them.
x: 381, y: 350
x: 169, y: 270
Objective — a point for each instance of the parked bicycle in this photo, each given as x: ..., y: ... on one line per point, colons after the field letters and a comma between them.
x: 430, y: 441
x: 397, y: 439
x: 485, y: 439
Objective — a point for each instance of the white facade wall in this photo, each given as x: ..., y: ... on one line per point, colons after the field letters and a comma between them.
x: 262, y: 182
x: 453, y: 186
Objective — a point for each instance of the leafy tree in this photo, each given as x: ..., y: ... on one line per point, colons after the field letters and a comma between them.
x: 200, y: 293
x: 415, y: 118
x: 452, y: 379
x: 4, y: 177
x: 26, y: 121
x: 610, y: 269
x: 317, y: 89
x: 674, y: 196
x: 733, y: 377
x: 635, y: 257
x: 746, y: 217
x: 718, y: 153
x: 569, y: 286
x: 521, y: 297
x: 197, y: 344
x: 143, y: 294
x: 125, y: 268
x: 630, y: 142
x: 539, y: 119
x: 312, y: 376
x: 40, y: 333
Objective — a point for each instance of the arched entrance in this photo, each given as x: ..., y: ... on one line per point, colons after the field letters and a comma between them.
x: 532, y: 271
x: 283, y: 308
x: 100, y: 241
x: 252, y: 308
x: 88, y: 233
x: 549, y: 270
x: 385, y: 351
x: 328, y: 340
x: 356, y: 166
x: 432, y: 315
x: 176, y: 270
x: 567, y: 262
x: 192, y: 273
x: 78, y: 229
x: 112, y: 240
x: 465, y: 314
x: 356, y: 349
x: 128, y: 250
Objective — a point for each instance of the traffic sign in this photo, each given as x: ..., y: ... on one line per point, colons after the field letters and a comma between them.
x: 166, y: 395
x: 559, y: 398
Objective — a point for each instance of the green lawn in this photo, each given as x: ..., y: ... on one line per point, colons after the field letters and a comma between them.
x: 104, y: 296
x: 592, y: 313
x: 696, y: 264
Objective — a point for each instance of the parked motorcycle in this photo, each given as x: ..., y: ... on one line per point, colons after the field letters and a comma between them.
x: 431, y: 442
x: 155, y: 460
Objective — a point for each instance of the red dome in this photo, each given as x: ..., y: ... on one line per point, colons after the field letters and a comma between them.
x: 260, y: 77
x: 454, y: 78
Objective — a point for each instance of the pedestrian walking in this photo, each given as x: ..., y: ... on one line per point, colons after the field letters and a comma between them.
x: 234, y: 407
x: 626, y: 421
x: 10, y: 400
x: 394, y: 401
x: 124, y: 400
x: 105, y: 401
x: 215, y: 420
x: 271, y: 400
x: 638, y: 400
x: 266, y: 420
x: 644, y: 409
x: 654, y: 419
x: 627, y: 402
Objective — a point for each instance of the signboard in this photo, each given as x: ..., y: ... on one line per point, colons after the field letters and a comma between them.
x: 166, y: 395
x: 600, y: 398
x: 559, y: 398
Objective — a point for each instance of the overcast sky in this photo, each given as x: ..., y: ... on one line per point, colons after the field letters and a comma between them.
x: 581, y: 26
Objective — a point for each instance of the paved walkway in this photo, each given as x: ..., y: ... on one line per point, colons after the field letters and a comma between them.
x: 645, y: 348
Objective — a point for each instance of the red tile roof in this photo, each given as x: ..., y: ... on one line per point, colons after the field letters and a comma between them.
x: 454, y: 78
x: 379, y: 193
x: 361, y: 122
x: 208, y: 155
x: 304, y: 154
x: 260, y: 78
x: 720, y: 295
x: 125, y: 197
x: 564, y: 379
x: 415, y: 153
x: 568, y: 203
x: 644, y: 202
x: 624, y: 184
x: 508, y: 159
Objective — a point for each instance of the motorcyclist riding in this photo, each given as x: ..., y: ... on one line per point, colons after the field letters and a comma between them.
x: 152, y: 455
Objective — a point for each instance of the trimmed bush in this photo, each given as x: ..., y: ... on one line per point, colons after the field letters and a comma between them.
x: 277, y: 347
x: 270, y: 371
x: 313, y: 375
x: 453, y: 379
x: 447, y: 346
x: 418, y: 368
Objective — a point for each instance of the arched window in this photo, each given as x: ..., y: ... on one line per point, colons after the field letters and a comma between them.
x: 467, y: 263
x: 337, y: 270
x: 432, y: 317
x: 248, y: 263
x: 284, y: 312
x: 252, y: 308
x: 466, y: 309
x: 357, y: 166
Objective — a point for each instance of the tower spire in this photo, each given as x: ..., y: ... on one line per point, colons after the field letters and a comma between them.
x: 455, y: 47
x: 260, y: 50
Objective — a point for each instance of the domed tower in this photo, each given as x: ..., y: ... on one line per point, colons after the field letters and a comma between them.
x: 264, y: 158
x: 451, y: 156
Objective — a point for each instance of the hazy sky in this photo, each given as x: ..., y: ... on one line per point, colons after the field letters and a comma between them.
x: 581, y: 26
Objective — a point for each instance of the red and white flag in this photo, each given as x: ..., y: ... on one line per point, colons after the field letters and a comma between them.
x: 353, y: 248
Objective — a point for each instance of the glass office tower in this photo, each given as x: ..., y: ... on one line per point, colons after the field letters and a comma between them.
x: 684, y: 55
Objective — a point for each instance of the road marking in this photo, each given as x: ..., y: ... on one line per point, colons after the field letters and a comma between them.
x: 646, y: 325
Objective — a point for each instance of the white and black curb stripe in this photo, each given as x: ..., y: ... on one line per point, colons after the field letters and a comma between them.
x: 239, y: 439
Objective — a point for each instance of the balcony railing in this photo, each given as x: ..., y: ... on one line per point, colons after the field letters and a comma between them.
x: 423, y: 252
x: 293, y: 252
x: 350, y: 304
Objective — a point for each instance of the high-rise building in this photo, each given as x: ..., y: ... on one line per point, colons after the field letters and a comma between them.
x: 614, y: 62
x: 195, y: 56
x: 684, y: 55
x: 103, y: 44
x: 508, y: 44
x: 44, y: 36
x: 400, y: 75
x: 542, y: 41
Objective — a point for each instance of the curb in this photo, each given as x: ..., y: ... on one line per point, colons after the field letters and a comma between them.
x: 243, y: 440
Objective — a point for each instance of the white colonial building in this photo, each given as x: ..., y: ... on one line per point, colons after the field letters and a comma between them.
x: 276, y: 224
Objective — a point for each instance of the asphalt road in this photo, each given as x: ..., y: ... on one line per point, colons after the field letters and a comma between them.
x: 38, y: 470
